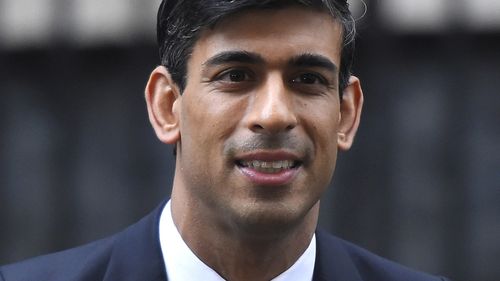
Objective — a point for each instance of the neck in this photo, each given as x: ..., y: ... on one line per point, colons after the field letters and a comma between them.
x: 240, y: 254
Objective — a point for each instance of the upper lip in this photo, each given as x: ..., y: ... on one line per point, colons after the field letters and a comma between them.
x: 268, y: 156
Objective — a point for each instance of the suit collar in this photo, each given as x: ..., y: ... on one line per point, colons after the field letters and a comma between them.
x: 332, y: 260
x: 136, y: 253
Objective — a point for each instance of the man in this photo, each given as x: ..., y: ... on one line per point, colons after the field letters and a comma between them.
x: 257, y: 98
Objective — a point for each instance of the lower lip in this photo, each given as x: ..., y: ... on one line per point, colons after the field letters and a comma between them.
x: 260, y: 178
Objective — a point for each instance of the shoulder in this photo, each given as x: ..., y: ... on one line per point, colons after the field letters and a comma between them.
x: 366, y: 265
x: 132, y: 254
x: 89, y: 260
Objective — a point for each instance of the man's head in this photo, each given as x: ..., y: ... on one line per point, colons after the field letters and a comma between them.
x: 181, y: 21
x: 260, y: 118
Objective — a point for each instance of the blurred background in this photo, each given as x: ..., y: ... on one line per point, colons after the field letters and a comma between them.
x: 421, y: 186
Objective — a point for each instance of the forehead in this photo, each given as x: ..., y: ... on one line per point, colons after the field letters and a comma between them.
x: 274, y: 34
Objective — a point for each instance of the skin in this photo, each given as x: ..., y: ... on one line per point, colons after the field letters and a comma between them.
x: 260, y: 86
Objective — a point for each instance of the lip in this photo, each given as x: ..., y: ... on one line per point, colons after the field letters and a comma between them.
x: 269, y: 179
x: 268, y: 156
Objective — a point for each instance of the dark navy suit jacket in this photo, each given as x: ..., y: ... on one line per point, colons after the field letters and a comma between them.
x: 135, y: 255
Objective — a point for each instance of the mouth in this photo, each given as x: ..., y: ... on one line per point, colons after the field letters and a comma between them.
x: 269, y: 167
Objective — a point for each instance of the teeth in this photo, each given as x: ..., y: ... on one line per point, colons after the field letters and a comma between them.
x: 269, y: 166
x: 266, y: 165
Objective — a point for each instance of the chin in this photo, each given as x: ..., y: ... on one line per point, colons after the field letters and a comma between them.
x: 267, y: 220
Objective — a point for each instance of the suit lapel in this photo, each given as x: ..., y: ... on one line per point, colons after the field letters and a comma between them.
x: 333, y: 263
x: 136, y: 253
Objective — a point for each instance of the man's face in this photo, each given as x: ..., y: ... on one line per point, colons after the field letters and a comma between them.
x: 259, y: 117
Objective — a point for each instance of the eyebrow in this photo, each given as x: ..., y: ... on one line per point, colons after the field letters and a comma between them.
x: 313, y: 60
x: 302, y: 60
x: 234, y: 56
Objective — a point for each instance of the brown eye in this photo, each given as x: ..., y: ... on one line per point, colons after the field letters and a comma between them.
x: 234, y: 75
x: 309, y: 78
x: 237, y: 76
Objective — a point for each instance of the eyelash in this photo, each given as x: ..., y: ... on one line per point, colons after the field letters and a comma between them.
x: 248, y: 76
x: 320, y: 78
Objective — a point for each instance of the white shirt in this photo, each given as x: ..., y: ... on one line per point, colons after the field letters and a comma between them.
x: 183, y: 265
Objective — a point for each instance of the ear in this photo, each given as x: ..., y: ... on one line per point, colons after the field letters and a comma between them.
x: 163, y: 102
x: 350, y: 113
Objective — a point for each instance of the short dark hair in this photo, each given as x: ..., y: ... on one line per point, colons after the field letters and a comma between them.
x: 180, y: 22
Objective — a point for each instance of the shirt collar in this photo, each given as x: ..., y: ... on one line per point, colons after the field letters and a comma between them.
x: 182, y: 264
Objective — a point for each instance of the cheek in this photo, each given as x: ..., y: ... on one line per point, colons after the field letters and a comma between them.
x: 209, y: 121
x: 322, y: 127
x: 322, y: 122
x: 224, y: 114
x: 326, y: 149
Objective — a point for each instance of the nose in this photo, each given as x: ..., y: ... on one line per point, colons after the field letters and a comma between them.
x: 272, y: 109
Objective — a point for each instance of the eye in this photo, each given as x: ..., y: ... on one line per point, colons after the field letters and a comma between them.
x: 234, y: 76
x: 309, y: 78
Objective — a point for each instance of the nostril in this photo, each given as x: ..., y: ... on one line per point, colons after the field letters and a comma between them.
x: 257, y: 127
x: 272, y: 126
x: 272, y: 115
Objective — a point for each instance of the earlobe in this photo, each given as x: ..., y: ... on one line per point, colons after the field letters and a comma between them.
x: 350, y: 113
x: 163, y: 99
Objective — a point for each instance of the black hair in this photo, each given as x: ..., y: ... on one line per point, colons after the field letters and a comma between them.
x: 180, y: 22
